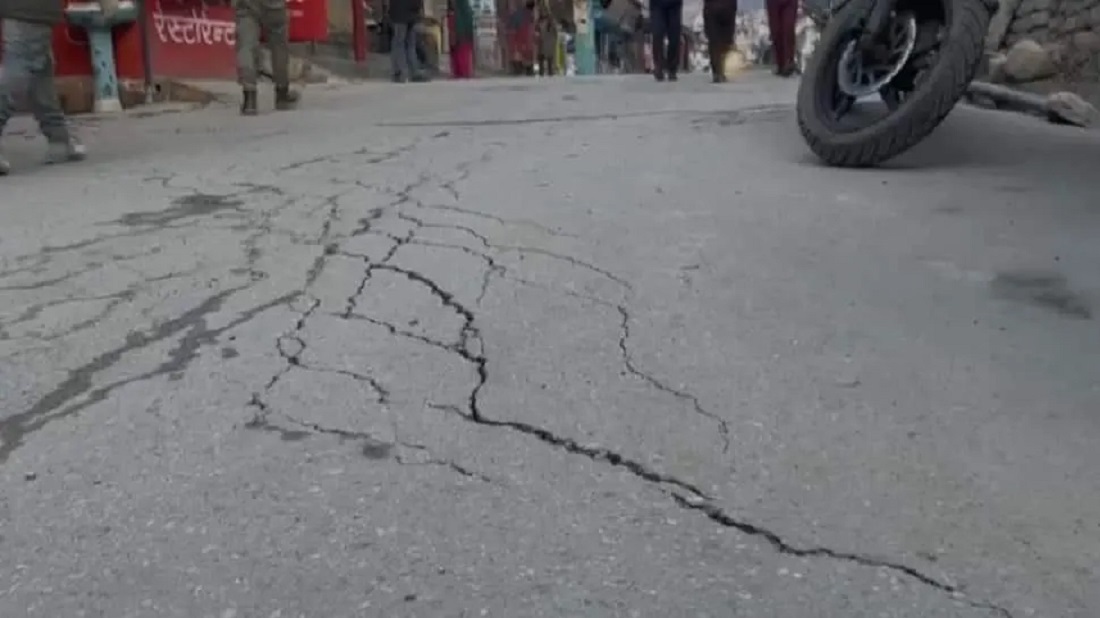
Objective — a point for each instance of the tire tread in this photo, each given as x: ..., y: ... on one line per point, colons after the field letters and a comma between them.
x: 916, y: 119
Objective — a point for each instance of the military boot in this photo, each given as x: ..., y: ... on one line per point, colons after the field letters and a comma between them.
x: 285, y: 98
x: 248, y: 103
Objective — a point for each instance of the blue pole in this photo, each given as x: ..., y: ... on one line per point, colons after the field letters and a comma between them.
x: 585, y: 39
x: 103, y: 69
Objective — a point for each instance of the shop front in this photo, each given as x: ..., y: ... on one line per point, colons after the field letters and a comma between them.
x: 196, y: 39
x: 187, y: 39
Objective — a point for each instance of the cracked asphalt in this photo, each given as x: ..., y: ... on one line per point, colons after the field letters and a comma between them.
x: 548, y: 348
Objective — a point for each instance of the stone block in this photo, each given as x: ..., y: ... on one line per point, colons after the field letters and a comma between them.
x: 1076, y: 7
x: 1074, y: 23
x: 1088, y: 42
x: 1059, y: 53
x: 1069, y: 108
x: 1030, y: 23
x: 1028, y: 61
x: 1033, y: 6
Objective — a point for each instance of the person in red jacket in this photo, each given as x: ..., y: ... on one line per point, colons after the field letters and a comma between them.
x: 521, y: 39
x: 782, y: 15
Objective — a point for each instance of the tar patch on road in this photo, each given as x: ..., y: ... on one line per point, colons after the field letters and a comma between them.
x: 193, y: 205
x: 1047, y: 290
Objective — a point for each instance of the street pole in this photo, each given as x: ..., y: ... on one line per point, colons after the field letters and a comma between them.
x: 584, y: 41
x: 359, y: 31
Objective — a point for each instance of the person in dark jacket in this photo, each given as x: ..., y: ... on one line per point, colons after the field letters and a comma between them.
x: 719, y: 20
x: 28, y: 72
x: 666, y: 26
x: 782, y: 17
x: 404, y: 15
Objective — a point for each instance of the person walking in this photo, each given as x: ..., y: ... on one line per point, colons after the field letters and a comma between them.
x: 666, y: 26
x: 548, y: 46
x: 404, y: 16
x: 255, y: 19
x: 782, y: 16
x: 461, y: 22
x: 521, y: 39
x: 27, y: 71
x: 719, y: 21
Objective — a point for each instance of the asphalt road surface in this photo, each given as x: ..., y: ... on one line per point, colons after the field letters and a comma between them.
x: 548, y: 348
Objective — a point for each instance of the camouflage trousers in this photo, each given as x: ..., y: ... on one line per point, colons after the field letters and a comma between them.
x: 270, y: 18
x: 27, y: 75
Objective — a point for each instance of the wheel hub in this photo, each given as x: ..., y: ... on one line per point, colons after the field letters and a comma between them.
x: 860, y: 74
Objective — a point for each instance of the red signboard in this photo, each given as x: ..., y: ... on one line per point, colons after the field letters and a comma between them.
x: 193, y: 39
x: 197, y: 38
x: 308, y: 20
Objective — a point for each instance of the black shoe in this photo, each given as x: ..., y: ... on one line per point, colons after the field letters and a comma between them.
x: 286, y: 99
x: 672, y: 77
x: 659, y: 76
x: 248, y: 103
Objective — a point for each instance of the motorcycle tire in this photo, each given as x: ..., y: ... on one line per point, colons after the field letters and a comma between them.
x: 909, y: 121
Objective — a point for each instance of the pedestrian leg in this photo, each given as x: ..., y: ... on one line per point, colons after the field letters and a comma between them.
x: 658, y: 28
x: 275, y: 24
x: 674, y: 19
x: 29, y: 68
x: 725, y: 38
x: 710, y: 31
x: 13, y: 78
x: 411, y: 56
x: 466, y: 59
x: 775, y: 29
x: 787, y: 18
x: 248, y: 43
x: 399, y: 47
x: 719, y: 32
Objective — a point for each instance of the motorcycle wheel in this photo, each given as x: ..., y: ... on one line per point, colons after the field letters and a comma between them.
x: 822, y: 102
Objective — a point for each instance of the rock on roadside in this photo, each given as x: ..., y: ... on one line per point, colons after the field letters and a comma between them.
x: 1028, y: 61
x: 1069, y: 108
